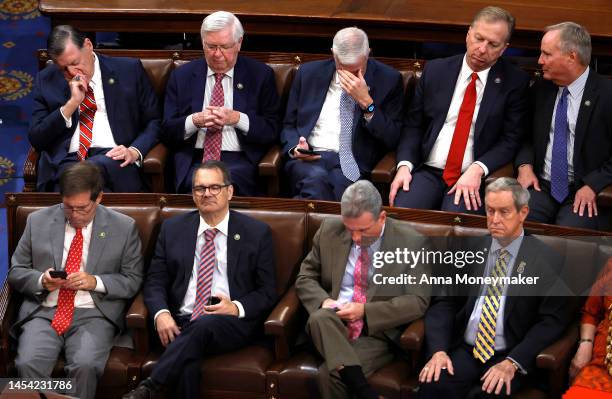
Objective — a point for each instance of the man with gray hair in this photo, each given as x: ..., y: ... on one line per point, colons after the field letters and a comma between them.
x: 221, y: 107
x: 343, y: 115
x: 355, y: 320
x: 566, y: 160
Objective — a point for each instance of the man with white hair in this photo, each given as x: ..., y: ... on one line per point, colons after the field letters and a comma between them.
x: 343, y: 115
x: 221, y: 107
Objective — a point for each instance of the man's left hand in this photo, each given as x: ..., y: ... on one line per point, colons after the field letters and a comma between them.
x: 128, y: 155
x: 351, y: 311
x: 226, y: 306
x: 80, y: 281
x: 356, y: 87
x: 224, y: 116
x: 497, y: 376
x: 468, y: 187
x: 585, y: 198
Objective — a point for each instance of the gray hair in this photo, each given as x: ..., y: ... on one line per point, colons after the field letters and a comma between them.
x: 520, y: 195
x: 59, y: 38
x: 220, y: 20
x: 573, y: 37
x: 361, y: 197
x: 350, y: 44
x: 495, y: 14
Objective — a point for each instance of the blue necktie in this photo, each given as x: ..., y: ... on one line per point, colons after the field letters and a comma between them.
x: 347, y: 160
x: 558, y: 168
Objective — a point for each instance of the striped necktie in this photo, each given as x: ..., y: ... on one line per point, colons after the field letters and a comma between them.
x: 206, y: 267
x: 484, y: 345
x: 87, y: 112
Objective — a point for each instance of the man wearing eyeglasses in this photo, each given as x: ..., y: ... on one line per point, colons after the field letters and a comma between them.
x: 77, y: 265
x: 210, y: 285
x: 221, y: 107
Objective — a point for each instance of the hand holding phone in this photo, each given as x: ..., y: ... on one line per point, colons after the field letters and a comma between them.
x: 214, y: 300
x: 58, y: 274
x: 306, y: 152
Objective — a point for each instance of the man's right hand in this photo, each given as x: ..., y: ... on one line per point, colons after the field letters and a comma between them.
x: 51, y: 284
x: 166, y: 328
x: 78, y: 89
x: 527, y: 177
x: 303, y: 157
x: 402, y: 180
x: 438, y: 362
x: 205, y: 119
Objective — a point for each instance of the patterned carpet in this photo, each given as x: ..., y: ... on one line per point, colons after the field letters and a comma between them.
x: 22, y: 31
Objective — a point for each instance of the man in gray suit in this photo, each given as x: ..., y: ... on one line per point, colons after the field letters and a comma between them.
x: 81, y: 311
x: 354, y: 317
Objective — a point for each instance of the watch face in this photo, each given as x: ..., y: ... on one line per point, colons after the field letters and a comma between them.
x: 370, y: 108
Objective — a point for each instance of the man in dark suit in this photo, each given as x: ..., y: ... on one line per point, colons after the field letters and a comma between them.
x: 94, y: 107
x: 210, y: 285
x: 491, y: 333
x: 348, y: 110
x: 355, y: 318
x: 465, y: 121
x: 81, y: 312
x: 223, y: 106
x: 567, y: 158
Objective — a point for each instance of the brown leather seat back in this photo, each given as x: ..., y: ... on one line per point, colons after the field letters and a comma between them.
x: 314, y: 222
x: 148, y: 222
x: 158, y: 71
x: 283, y: 74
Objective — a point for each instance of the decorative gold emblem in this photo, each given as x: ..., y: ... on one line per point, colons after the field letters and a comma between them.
x: 14, y: 84
x: 7, y: 170
x: 19, y: 9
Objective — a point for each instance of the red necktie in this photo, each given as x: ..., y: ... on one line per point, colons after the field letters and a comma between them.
x: 212, y: 141
x: 65, y: 300
x: 452, y: 169
x: 206, y: 267
x: 360, y: 278
x: 87, y: 111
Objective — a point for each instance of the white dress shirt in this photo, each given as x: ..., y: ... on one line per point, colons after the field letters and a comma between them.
x: 229, y: 141
x: 574, y: 98
x: 82, y: 298
x: 325, y: 135
x: 439, y: 152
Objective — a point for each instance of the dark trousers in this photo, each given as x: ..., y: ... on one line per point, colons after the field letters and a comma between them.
x: 179, y: 365
x: 242, y: 172
x: 465, y: 383
x: 545, y: 209
x: 116, y: 178
x: 318, y: 180
x: 429, y: 191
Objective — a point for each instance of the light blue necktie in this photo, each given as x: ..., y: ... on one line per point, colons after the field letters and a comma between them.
x: 347, y: 160
x: 558, y: 166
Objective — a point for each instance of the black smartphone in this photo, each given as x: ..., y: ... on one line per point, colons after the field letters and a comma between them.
x: 214, y: 300
x: 58, y: 274
x: 306, y: 152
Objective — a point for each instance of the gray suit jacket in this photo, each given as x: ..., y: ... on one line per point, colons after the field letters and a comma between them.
x: 387, y: 308
x: 114, y: 256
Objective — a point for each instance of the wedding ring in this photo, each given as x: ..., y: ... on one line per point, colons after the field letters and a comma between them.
x: 76, y: 78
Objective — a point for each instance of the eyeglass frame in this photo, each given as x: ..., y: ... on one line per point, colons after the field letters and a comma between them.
x: 80, y: 210
x: 211, y: 189
x: 221, y: 47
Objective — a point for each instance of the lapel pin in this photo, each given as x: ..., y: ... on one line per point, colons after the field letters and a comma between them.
x: 111, y: 81
x: 587, y: 103
x: 521, y: 267
x: 239, y: 86
x: 102, y: 234
x: 236, y: 237
x: 497, y: 80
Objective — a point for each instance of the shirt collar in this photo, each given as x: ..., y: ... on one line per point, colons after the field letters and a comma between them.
x: 576, y: 88
x: 97, y: 75
x: 512, y: 248
x: 222, y: 226
x: 466, y: 72
x: 210, y: 72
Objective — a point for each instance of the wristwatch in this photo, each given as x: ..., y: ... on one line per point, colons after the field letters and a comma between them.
x: 370, y: 108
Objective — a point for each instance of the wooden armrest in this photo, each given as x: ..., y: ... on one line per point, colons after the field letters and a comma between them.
x: 137, y: 314
x: 155, y: 160
x: 413, y: 336
x: 557, y: 355
x: 7, y: 318
x: 30, y: 170
x: 604, y: 198
x: 384, y: 171
x: 505, y: 171
x: 283, y: 323
x: 270, y: 163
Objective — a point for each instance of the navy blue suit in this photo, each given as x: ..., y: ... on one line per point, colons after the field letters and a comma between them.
x: 371, y: 140
x: 500, y: 124
x: 255, y: 95
x: 252, y: 282
x: 133, y: 114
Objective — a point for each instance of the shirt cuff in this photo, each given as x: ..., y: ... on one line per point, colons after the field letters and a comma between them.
x: 368, y: 117
x: 67, y: 120
x: 39, y: 285
x: 240, y: 309
x: 406, y: 163
x: 521, y: 369
x: 486, y: 170
x: 99, y: 285
x: 156, y: 315
x: 190, y: 127
x: 243, y: 123
x: 140, y: 157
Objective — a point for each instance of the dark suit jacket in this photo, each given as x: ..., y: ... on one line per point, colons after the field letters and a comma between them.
x: 532, y: 321
x: 593, y: 142
x: 371, y: 140
x: 131, y: 103
x: 258, y: 98
x: 501, y: 119
x: 250, y: 265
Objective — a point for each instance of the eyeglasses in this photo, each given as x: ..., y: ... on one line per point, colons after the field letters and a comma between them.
x: 214, y: 189
x: 221, y: 47
x: 77, y: 209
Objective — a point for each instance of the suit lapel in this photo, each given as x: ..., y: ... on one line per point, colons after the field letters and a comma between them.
x: 198, y: 87
x: 57, y: 231
x: 590, y: 97
x: 111, y: 91
x: 446, y: 89
x: 188, y: 246
x: 233, y: 249
x: 316, y: 93
x: 99, y: 237
x: 239, y: 93
x: 491, y: 93
x: 548, y: 106
x: 343, y: 244
x: 524, y: 258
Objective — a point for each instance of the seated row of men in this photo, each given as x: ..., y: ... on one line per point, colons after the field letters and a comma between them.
x: 469, y: 116
x: 211, y: 284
